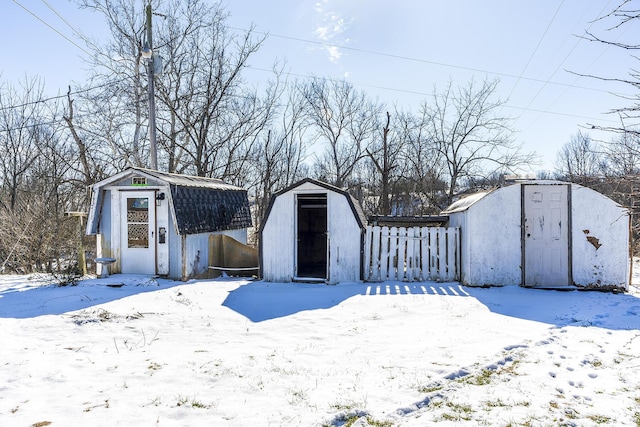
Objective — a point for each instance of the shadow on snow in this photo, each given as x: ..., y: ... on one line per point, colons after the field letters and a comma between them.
x: 562, y: 308
x: 38, y: 296
x: 260, y: 301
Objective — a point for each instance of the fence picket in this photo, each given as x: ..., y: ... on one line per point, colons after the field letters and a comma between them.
x: 384, y: 253
x: 393, y: 248
x: 375, y: 254
x: 424, y: 252
x: 368, y: 269
x: 399, y: 253
x: 402, y: 251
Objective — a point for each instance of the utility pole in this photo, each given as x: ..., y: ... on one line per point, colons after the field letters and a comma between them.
x: 153, y: 152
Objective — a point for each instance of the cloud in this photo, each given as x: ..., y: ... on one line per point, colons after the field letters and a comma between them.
x: 330, y: 28
x: 332, y: 25
x: 334, y: 53
x: 320, y: 5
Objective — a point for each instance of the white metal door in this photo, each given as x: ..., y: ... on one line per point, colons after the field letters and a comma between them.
x: 138, y: 244
x: 546, y: 235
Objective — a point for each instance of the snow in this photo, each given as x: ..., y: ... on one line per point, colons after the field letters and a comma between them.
x: 133, y: 350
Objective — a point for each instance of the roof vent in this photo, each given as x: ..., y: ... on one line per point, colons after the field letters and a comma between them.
x: 139, y: 180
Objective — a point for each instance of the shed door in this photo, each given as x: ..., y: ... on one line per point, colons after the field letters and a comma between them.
x: 312, y: 236
x: 546, y: 235
x: 138, y: 245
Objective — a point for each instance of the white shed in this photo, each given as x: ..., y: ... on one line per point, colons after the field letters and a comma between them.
x: 154, y: 222
x: 546, y: 234
x: 312, y: 231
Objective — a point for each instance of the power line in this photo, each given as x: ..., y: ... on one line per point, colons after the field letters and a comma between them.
x: 424, y: 61
x: 553, y: 18
x: 51, y: 27
x: 77, y: 92
x: 428, y: 94
x: 561, y: 95
x: 62, y: 19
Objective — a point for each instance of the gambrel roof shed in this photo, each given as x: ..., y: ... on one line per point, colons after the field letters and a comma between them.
x: 198, y: 204
x: 312, y: 231
x: 155, y: 222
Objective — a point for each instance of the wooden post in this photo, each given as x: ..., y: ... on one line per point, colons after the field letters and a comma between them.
x: 82, y: 261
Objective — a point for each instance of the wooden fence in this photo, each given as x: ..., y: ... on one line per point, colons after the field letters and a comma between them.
x: 412, y: 254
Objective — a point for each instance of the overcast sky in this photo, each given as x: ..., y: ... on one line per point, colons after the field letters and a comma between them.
x: 396, y: 51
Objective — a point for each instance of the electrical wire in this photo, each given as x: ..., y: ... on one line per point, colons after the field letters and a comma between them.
x: 51, y: 98
x: 77, y: 33
x: 371, y: 52
x: 414, y: 59
x: 51, y: 27
x: 553, y: 18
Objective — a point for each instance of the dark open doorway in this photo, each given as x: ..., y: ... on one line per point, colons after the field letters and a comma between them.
x: 312, y: 236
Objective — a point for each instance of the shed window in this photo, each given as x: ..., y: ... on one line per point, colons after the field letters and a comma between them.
x: 138, y: 180
x: 138, y: 222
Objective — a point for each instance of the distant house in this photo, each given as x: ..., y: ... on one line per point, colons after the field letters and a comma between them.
x: 159, y: 223
x: 312, y: 231
x: 546, y: 234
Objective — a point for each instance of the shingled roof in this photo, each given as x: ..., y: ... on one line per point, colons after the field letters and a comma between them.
x: 204, y: 205
x: 199, y: 204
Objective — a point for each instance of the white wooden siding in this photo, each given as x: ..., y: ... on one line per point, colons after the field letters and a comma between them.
x: 278, y: 239
x: 412, y: 254
x: 279, y: 234
x: 345, y: 240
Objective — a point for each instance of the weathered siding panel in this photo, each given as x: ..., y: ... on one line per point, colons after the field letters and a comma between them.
x: 278, y: 239
x: 175, y: 249
x: 600, y: 240
x: 162, y: 221
x: 116, y: 227
x: 196, y: 255
x: 344, y: 240
x: 494, y: 236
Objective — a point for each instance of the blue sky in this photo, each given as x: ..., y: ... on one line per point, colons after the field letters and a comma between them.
x: 396, y: 51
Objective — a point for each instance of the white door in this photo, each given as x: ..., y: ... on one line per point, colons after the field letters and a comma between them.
x: 546, y: 235
x: 138, y: 244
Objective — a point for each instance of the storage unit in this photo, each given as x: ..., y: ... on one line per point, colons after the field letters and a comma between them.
x: 546, y: 234
x: 312, y: 232
x: 159, y: 223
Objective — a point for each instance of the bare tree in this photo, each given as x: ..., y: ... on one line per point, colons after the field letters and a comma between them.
x: 35, y: 189
x: 472, y: 136
x: 119, y: 99
x: 20, y: 117
x: 626, y: 14
x: 87, y: 162
x: 281, y: 152
x: 382, y: 156
x: 345, y: 120
x: 425, y: 168
x: 208, y: 118
x: 580, y: 159
x: 213, y: 119
x: 622, y: 155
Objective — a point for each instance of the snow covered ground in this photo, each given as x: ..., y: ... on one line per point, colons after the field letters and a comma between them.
x: 231, y: 352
